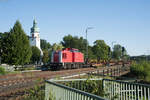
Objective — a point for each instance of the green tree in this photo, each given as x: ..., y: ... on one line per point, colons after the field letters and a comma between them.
x: 109, y: 53
x: 75, y: 42
x: 67, y: 41
x: 45, y: 45
x: 1, y: 34
x: 119, y: 52
x: 2, y: 37
x: 57, y: 47
x: 16, y: 49
x: 125, y: 56
x: 80, y: 43
x: 100, y: 50
x: 47, y: 49
x: 46, y: 57
x: 90, y: 53
x: 82, y: 46
x: 36, y: 54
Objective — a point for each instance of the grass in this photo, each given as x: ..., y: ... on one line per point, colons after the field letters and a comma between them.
x: 25, y: 68
x: 14, y: 72
x: 17, y: 71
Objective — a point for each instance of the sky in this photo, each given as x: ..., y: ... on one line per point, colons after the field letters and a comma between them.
x: 125, y: 22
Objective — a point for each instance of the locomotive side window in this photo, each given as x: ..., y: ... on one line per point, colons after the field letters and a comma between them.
x: 64, y: 55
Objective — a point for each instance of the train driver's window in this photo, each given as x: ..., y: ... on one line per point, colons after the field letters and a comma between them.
x: 64, y: 55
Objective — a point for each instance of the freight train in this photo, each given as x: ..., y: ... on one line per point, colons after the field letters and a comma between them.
x: 68, y: 58
x: 71, y: 58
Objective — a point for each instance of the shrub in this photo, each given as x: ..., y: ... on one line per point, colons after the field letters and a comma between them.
x: 94, y: 87
x: 37, y: 93
x: 141, y: 70
x: 2, y: 71
x: 90, y: 86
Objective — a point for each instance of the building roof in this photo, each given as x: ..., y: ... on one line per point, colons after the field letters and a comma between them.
x: 35, y: 29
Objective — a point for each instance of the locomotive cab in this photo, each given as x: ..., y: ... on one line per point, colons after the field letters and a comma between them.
x: 67, y: 59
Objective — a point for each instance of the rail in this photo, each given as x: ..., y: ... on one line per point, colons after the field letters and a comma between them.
x: 120, y: 90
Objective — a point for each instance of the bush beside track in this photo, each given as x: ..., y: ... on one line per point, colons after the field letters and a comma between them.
x: 141, y: 70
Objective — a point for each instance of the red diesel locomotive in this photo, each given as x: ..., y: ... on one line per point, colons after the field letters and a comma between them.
x: 67, y: 58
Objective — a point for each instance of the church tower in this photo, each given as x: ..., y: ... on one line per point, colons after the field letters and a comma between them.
x: 35, y: 36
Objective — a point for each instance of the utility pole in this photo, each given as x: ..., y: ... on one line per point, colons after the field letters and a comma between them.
x: 88, y: 28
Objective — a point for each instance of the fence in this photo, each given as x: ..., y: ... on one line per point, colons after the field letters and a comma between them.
x: 119, y: 90
x: 77, y: 89
x: 56, y: 90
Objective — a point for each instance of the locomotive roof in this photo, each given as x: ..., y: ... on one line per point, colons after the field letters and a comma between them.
x: 73, y: 49
x: 68, y: 49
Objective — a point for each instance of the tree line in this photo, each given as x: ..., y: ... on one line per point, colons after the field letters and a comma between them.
x: 15, y: 48
x: 99, y: 51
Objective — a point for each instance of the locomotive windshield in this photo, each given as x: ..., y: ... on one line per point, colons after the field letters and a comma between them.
x: 74, y: 50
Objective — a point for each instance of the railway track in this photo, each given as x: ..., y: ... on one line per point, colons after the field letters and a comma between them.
x: 17, y: 83
x: 11, y: 84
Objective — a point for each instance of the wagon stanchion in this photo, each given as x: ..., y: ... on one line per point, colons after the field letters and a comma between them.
x: 98, y: 72
x: 111, y: 72
x: 103, y: 72
x: 118, y: 71
x: 114, y: 72
x: 107, y: 72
